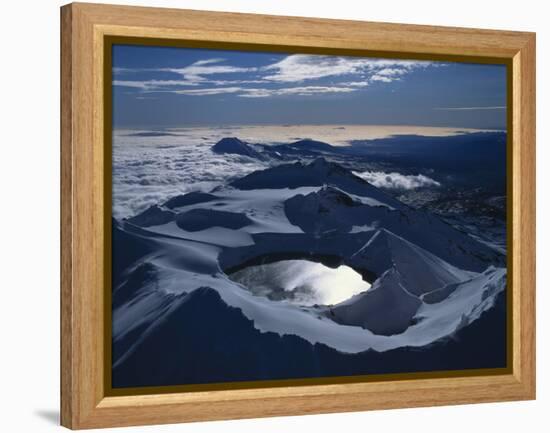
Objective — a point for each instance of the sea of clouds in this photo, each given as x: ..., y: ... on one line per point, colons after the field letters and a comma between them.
x: 151, y: 166
x: 397, y: 181
x: 148, y: 170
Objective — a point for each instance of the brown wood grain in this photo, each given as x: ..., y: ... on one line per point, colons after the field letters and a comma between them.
x: 84, y: 26
x: 67, y: 388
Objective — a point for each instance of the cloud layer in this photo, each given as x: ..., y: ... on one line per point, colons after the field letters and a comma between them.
x: 397, y: 181
x: 151, y: 166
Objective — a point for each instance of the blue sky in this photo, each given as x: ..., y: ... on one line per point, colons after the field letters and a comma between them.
x: 170, y: 87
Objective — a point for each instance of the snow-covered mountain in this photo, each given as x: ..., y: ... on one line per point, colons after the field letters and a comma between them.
x: 232, y: 145
x: 282, y: 151
x: 186, y: 274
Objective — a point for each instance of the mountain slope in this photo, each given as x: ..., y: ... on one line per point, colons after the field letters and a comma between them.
x: 173, y: 294
x: 387, y: 308
x: 232, y: 145
x: 191, y: 347
x: 421, y: 270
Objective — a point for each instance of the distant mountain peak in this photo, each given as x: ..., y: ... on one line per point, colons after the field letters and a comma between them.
x: 235, y: 146
x: 312, y: 144
x: 230, y: 141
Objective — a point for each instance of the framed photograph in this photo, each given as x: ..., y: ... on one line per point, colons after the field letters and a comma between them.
x: 265, y: 215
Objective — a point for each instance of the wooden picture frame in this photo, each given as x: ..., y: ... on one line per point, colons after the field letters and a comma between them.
x: 85, y: 28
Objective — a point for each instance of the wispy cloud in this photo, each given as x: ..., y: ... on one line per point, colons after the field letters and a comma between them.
x: 283, y: 77
x: 208, y: 61
x: 301, y: 67
x: 382, y: 78
x: 153, y: 84
x: 165, y: 85
x: 496, y: 107
x: 397, y: 181
x: 208, y: 91
x: 302, y: 91
x: 387, y: 75
x: 197, y: 71
x: 247, y: 92
x: 358, y: 83
x: 391, y: 72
